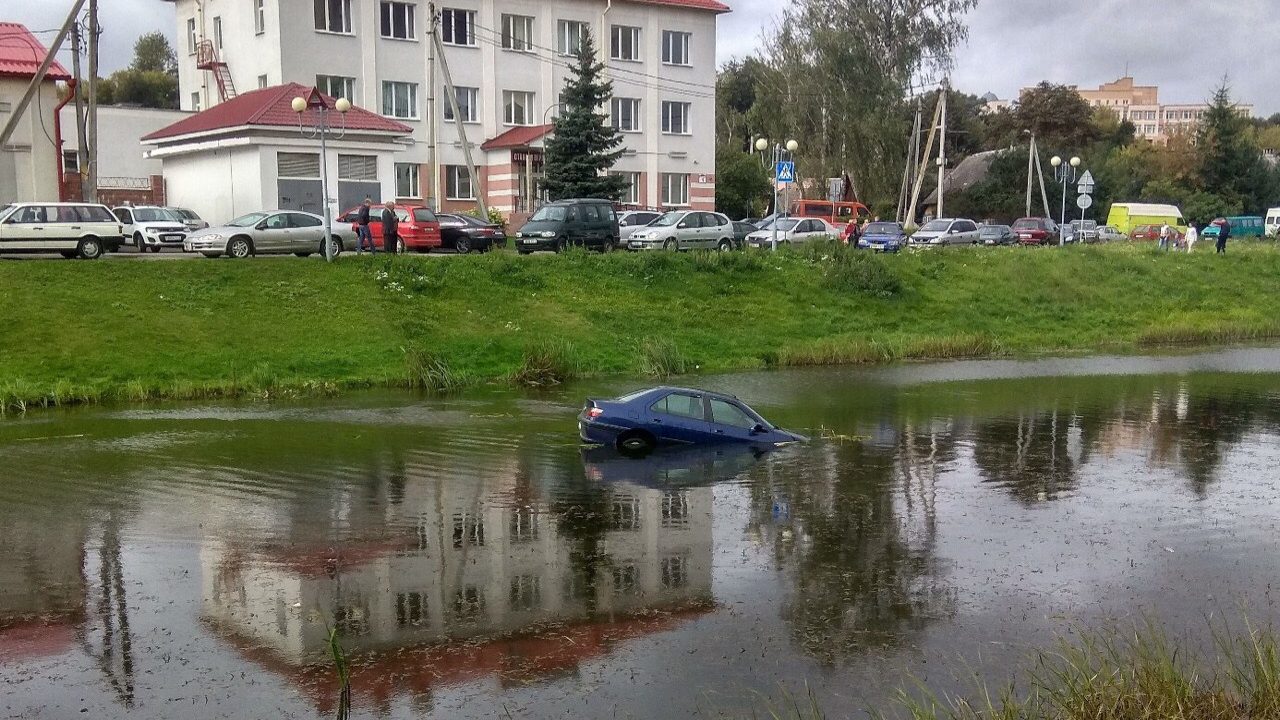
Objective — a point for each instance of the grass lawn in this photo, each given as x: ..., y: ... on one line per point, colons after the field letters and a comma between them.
x: 87, y: 331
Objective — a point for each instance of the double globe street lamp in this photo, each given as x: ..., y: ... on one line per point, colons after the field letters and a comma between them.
x: 322, y: 127
x: 1064, y: 173
x: 781, y: 153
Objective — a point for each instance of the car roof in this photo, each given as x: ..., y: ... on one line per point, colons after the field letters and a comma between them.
x: 665, y: 389
x: 20, y: 203
x: 581, y: 201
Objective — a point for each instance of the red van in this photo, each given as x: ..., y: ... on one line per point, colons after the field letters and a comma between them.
x: 419, y: 229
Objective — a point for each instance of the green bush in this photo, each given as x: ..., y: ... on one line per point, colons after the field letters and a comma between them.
x: 861, y: 272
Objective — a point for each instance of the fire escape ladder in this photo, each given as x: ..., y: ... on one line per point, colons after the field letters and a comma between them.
x: 207, y: 59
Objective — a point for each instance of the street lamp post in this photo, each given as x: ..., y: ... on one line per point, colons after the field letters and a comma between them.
x: 321, y: 126
x: 781, y: 153
x: 1064, y: 173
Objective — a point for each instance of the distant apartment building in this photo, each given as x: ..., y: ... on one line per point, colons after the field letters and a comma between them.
x: 509, y: 60
x: 1140, y: 105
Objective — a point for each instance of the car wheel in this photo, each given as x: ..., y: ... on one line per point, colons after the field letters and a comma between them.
x: 155, y: 249
x: 671, y: 244
x: 210, y: 255
x: 724, y: 246
x: 635, y: 443
x: 90, y: 248
x: 239, y: 248
x: 399, y: 246
x: 137, y: 242
x: 335, y: 246
x: 606, y: 247
x: 462, y: 245
x: 562, y: 245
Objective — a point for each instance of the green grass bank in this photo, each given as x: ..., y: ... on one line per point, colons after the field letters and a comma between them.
x: 75, y: 332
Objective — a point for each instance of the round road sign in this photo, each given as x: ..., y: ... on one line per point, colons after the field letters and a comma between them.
x: 1084, y: 202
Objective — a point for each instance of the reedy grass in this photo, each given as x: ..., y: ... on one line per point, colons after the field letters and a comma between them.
x: 545, y: 364
x: 660, y: 358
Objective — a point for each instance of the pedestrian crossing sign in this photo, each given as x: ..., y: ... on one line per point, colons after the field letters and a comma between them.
x: 786, y: 172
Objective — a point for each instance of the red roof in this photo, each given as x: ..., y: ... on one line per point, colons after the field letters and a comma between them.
x: 272, y: 107
x: 713, y: 5
x: 517, y: 137
x: 21, y: 54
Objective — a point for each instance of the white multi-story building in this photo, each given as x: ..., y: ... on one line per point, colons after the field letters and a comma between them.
x: 508, y: 60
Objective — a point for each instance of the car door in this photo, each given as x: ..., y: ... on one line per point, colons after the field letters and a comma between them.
x: 306, y: 233
x: 24, y: 228
x: 590, y: 219
x: 730, y: 421
x: 274, y: 235
x: 680, y: 417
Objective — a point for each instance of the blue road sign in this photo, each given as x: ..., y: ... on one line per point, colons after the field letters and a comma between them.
x: 786, y: 172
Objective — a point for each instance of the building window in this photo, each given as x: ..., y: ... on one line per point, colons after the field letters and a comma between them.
x: 675, y: 118
x: 675, y: 572
x: 625, y: 114
x: 457, y: 183
x: 70, y: 161
x: 407, y: 180
x: 517, y: 107
x: 458, y: 26
x: 400, y: 99
x: 569, y: 36
x: 362, y: 168
x: 411, y: 609
x: 524, y: 525
x: 333, y: 16
x: 397, y: 20
x: 526, y: 592
x: 468, y: 99
x: 625, y: 513
x: 626, y: 579
x: 517, y: 33
x: 675, y: 189
x: 675, y: 47
x: 468, y: 529
x: 262, y: 81
x: 191, y: 36
x: 468, y: 603
x: 336, y: 86
x: 195, y: 101
x: 259, y: 16
x: 675, y: 510
x: 298, y: 165
x: 625, y: 44
x: 630, y: 195
x: 217, y: 32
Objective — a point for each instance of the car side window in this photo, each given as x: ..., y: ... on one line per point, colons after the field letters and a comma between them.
x: 124, y: 216
x: 680, y: 405
x: 423, y: 215
x: 66, y: 214
x: 572, y: 215
x: 299, y: 220
x: 967, y: 226
x: 606, y: 213
x: 726, y: 413
x: 30, y: 214
x: 278, y: 222
x: 590, y: 214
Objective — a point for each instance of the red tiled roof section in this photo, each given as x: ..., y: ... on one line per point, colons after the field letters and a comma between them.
x: 517, y: 137
x: 712, y: 5
x: 271, y: 107
x: 21, y: 54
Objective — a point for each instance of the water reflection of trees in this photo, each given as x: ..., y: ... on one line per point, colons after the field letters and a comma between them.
x: 855, y: 524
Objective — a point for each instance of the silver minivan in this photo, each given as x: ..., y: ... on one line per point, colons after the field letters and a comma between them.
x: 685, y: 230
x: 946, y: 231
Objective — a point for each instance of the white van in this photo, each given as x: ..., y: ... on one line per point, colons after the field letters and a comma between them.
x: 1272, y: 227
x: 71, y: 229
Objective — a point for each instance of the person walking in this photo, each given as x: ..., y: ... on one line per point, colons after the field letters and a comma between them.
x: 363, y: 233
x: 390, y: 228
x: 1165, y: 232
x: 1192, y: 236
x: 1224, y: 232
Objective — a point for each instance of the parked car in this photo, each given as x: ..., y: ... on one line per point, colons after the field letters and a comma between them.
x: 685, y: 230
x: 1107, y: 233
x: 741, y: 229
x: 792, y: 230
x: 151, y: 228
x: 640, y: 422
x: 883, y: 237
x: 274, y: 232
x: 1081, y: 231
x: 1151, y: 233
x: 189, y: 218
x: 84, y: 230
x: 588, y: 223
x: 464, y: 233
x: 946, y: 231
x: 418, y: 229
x: 1036, y: 231
x: 632, y: 220
x: 997, y: 235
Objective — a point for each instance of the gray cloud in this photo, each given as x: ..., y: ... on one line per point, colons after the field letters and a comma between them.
x: 122, y: 22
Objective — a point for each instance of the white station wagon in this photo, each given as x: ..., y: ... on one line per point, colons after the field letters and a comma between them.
x: 81, y: 230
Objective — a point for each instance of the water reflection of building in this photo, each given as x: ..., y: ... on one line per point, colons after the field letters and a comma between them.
x: 461, y: 569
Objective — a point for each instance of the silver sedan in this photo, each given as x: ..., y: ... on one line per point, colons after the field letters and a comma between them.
x: 274, y: 232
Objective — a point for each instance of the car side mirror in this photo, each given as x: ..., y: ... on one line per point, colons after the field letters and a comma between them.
x: 952, y: 231
x: 261, y: 226
x: 683, y: 226
x: 758, y: 430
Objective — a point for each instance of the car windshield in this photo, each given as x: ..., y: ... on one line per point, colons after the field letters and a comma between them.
x: 782, y: 224
x: 668, y: 220
x: 882, y: 229
x: 1027, y: 224
x: 187, y: 214
x: 992, y: 229
x: 936, y: 226
x: 154, y: 215
x: 550, y: 213
x: 248, y: 220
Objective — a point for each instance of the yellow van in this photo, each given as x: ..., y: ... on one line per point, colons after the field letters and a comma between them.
x: 1126, y: 216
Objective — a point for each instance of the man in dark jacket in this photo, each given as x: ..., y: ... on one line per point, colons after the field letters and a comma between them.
x: 1224, y: 232
x: 363, y: 233
x: 390, y: 228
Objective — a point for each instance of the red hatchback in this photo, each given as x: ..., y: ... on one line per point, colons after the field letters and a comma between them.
x: 419, y: 229
x: 1035, y: 231
x: 1152, y: 233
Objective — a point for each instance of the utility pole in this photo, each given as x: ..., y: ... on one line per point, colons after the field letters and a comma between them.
x: 924, y: 159
x: 433, y: 161
x: 34, y: 85
x: 1031, y: 168
x: 82, y: 150
x: 942, y: 147
x: 91, y: 187
x: 452, y: 94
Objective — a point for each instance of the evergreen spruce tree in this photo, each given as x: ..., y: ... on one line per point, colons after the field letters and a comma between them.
x: 1232, y: 166
x: 584, y: 144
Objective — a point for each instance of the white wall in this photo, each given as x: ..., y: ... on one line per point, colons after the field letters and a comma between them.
x: 247, y: 54
x: 120, y: 129
x: 29, y: 164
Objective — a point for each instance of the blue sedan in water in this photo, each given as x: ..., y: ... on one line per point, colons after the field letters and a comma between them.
x: 883, y: 237
x: 639, y: 422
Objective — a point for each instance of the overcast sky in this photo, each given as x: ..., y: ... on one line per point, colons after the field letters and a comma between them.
x: 1011, y: 43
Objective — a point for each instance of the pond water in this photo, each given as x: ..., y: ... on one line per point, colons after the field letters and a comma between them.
x: 190, y: 560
